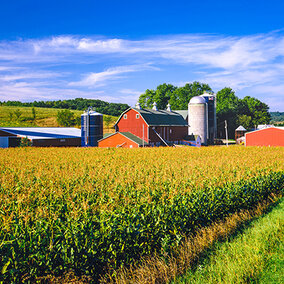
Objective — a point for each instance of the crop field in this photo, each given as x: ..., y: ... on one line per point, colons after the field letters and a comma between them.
x: 92, y: 211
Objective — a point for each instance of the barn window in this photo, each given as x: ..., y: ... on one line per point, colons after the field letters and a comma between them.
x: 137, y: 115
x: 125, y: 116
x: 171, y: 131
x: 62, y: 140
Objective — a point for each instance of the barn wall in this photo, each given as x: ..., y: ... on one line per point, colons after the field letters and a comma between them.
x: 133, y: 125
x: 117, y: 139
x: 265, y: 137
x: 168, y: 133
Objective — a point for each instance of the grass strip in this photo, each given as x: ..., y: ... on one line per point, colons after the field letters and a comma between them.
x: 254, y: 256
x: 161, y: 270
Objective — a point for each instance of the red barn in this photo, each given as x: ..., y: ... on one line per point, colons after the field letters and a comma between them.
x: 272, y: 136
x: 155, y: 127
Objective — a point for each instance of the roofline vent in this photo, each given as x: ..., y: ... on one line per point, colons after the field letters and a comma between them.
x: 154, y: 106
x: 169, y: 107
x: 138, y: 106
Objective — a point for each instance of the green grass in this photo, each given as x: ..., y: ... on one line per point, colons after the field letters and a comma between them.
x: 254, y: 256
x: 45, y: 117
x: 274, y: 271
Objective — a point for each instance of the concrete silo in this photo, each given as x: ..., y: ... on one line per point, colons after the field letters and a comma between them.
x: 91, y: 128
x: 212, y: 120
x: 198, y: 118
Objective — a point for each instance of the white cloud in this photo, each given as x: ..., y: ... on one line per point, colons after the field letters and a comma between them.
x: 96, y: 79
x: 248, y: 64
x: 29, y: 76
x: 131, y: 92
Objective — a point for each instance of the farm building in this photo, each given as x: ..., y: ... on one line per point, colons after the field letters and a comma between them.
x: 240, y: 132
x: 40, y: 136
x: 155, y: 127
x: 121, y: 139
x: 270, y: 136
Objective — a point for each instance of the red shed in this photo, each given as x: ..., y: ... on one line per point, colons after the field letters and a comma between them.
x: 121, y: 139
x: 272, y: 136
x: 155, y: 127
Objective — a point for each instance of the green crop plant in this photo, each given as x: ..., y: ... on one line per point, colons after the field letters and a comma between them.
x: 91, y: 210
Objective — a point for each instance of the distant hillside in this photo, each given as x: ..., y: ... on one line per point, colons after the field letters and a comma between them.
x: 277, y: 117
x: 16, y: 116
x: 114, y: 109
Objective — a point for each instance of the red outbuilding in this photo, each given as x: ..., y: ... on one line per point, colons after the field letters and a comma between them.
x: 121, y: 139
x: 272, y: 136
x: 155, y: 127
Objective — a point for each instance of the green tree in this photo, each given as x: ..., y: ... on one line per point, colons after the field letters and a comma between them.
x: 177, y: 97
x: 18, y: 114
x: 226, y: 109
x: 66, y: 118
x: 257, y: 110
x: 244, y: 120
x: 25, y: 142
x: 181, y: 96
x: 33, y: 114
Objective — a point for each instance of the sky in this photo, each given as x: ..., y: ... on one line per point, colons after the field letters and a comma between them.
x: 114, y: 50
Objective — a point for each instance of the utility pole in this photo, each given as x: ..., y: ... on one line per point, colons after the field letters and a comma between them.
x: 226, y: 130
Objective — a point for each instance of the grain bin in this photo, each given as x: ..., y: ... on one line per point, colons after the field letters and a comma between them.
x: 197, y: 118
x: 212, y: 120
x: 91, y: 128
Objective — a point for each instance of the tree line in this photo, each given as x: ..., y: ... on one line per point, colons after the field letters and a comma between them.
x: 248, y: 112
x: 114, y: 109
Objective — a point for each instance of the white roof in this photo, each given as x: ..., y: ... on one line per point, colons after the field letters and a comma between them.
x: 240, y: 128
x: 263, y: 126
x: 44, y: 132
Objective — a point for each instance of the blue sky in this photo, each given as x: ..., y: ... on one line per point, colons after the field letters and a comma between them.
x: 115, y: 50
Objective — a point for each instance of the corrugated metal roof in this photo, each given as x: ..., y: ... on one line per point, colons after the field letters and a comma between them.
x: 44, y: 132
x: 161, y: 117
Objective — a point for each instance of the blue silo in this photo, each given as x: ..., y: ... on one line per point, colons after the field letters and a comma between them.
x: 91, y: 128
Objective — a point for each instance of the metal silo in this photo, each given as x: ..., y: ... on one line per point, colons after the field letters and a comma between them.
x: 197, y: 118
x: 91, y: 128
x: 212, y: 121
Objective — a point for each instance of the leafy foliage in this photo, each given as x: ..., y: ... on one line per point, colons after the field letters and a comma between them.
x: 248, y: 112
x: 25, y: 142
x: 177, y: 97
x: 67, y: 118
x: 59, y: 214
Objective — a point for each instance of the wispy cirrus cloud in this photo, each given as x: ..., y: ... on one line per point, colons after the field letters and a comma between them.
x: 115, y: 66
x: 115, y: 73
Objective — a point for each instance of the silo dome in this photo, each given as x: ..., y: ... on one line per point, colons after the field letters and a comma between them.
x: 91, y: 128
x: 197, y: 100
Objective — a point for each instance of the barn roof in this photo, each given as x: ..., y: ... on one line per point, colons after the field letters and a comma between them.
x: 43, y: 132
x: 159, y: 117
x: 183, y: 113
x: 128, y: 135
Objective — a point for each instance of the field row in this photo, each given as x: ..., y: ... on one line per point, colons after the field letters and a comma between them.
x: 93, y: 210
